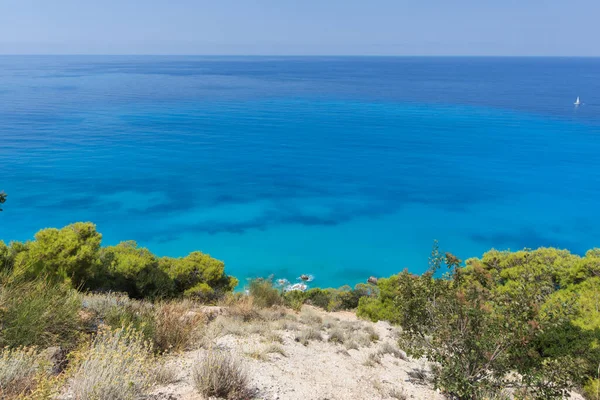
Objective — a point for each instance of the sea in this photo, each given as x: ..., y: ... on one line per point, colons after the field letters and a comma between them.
x: 336, y: 167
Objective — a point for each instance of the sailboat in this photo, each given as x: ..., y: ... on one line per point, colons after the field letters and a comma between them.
x: 577, y: 102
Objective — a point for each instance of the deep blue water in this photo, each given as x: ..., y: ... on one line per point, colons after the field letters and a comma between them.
x: 338, y: 167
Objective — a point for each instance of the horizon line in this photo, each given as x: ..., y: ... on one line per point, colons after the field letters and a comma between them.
x: 295, y: 55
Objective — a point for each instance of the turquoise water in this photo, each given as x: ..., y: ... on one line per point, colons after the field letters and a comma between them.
x: 337, y: 167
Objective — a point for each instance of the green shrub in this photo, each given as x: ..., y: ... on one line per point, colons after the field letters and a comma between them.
x: 134, y: 314
x: 69, y: 254
x: 73, y: 255
x: 135, y: 270
x: 39, y: 313
x: 263, y: 293
x: 482, y: 323
x: 198, y: 276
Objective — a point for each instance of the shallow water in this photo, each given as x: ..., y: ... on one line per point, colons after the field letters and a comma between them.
x: 336, y: 167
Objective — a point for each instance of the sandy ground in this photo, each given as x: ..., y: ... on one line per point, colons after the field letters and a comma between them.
x: 320, y: 370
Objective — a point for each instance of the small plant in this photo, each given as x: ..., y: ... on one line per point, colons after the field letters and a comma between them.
x: 351, y: 345
x: 336, y: 335
x: 19, y: 371
x: 343, y: 352
x: 117, y: 365
x: 307, y: 335
x: 273, y: 337
x: 310, y: 317
x: 221, y: 375
x: 244, y: 309
x: 177, y: 326
x: 418, y: 375
x: 373, y: 336
x: 389, y: 348
x: 263, y: 293
x: 39, y: 313
x: 164, y: 373
x: 372, y: 360
x: 257, y: 354
x: 398, y: 394
x: 362, y: 339
x: 275, y: 348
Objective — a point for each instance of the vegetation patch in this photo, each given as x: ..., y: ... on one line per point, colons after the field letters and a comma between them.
x: 221, y: 375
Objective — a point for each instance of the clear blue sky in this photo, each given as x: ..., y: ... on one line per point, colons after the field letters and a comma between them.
x: 320, y: 27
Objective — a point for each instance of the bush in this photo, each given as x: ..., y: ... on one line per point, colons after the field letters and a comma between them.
x: 263, y: 293
x: 135, y: 270
x: 19, y: 370
x: 481, y: 324
x: 73, y: 255
x: 177, y: 326
x: 65, y: 255
x: 117, y: 365
x: 39, y: 313
x: 131, y: 314
x: 221, y: 375
x: 307, y: 335
x: 199, y: 276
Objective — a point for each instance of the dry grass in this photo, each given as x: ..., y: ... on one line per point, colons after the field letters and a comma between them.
x: 244, y: 309
x: 221, y: 375
x: 164, y: 373
x: 351, y: 345
x: 389, y: 348
x: 330, y: 323
x: 273, y: 337
x: 262, y: 354
x: 117, y: 365
x: 223, y: 326
x: 372, y: 360
x: 274, y: 348
x: 257, y: 328
x: 373, y: 336
x: 285, y: 325
x: 397, y: 394
x: 343, y: 352
x: 309, y: 317
x: 274, y: 313
x: 336, y: 335
x: 308, y: 334
x: 177, y: 326
x: 362, y: 339
x: 418, y: 375
x: 19, y: 371
x: 257, y: 354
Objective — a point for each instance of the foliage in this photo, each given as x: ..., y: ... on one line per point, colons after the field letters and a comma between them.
x: 136, y: 271
x: 344, y: 298
x: 74, y: 255
x: 169, y: 326
x: 263, y: 293
x: 221, y: 375
x: 198, y: 276
x: 68, y: 254
x: 116, y: 365
x: 2, y: 198
x: 532, y: 312
x: 20, y: 368
x: 38, y: 313
x: 177, y: 326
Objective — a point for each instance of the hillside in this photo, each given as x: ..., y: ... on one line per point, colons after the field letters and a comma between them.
x: 363, y: 363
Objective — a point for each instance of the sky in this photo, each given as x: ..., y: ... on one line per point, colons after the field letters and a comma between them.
x: 301, y: 27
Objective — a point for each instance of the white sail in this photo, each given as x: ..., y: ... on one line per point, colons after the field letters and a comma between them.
x: 577, y: 102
